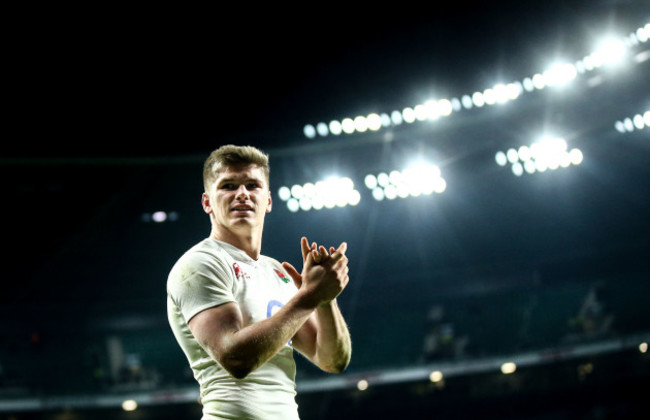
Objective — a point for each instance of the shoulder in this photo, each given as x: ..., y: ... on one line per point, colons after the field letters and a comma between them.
x: 205, y: 256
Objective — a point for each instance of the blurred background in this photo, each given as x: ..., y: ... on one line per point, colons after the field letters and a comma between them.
x: 487, y: 163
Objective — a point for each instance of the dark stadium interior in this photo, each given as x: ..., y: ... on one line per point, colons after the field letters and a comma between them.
x: 112, y: 115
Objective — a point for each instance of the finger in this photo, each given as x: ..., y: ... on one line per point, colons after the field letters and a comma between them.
x: 295, y: 275
x: 339, y: 253
x: 323, y: 251
x: 304, y: 247
x: 317, y: 257
x: 340, y: 250
x: 340, y: 262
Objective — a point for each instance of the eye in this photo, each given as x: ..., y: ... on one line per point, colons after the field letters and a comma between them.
x: 227, y: 186
x: 253, y: 185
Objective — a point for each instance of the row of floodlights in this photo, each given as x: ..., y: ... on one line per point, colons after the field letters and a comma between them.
x: 507, y: 368
x: 547, y: 154
x: 610, y: 52
x: 638, y: 122
x: 341, y: 192
x: 411, y: 182
x: 329, y: 193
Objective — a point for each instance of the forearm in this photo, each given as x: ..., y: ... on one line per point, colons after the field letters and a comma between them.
x: 248, y: 348
x: 333, y: 343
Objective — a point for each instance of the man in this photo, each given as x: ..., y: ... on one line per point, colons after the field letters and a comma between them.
x: 236, y: 314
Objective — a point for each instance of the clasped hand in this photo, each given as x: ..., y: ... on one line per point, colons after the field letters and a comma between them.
x: 324, y: 274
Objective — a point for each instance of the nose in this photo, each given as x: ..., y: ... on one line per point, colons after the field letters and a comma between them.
x: 241, y: 193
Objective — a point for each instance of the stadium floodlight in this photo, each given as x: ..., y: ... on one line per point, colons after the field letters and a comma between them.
x: 431, y: 110
x: 396, y: 118
x: 416, y: 180
x: 466, y: 100
x: 362, y: 385
x: 560, y: 74
x: 160, y: 216
x: 293, y: 205
x: 129, y: 405
x: 643, y: 34
x: 385, y: 120
x: 514, y: 90
x: 422, y: 112
x: 477, y: 99
x: 550, y: 153
x: 635, y: 123
x: 524, y: 153
x: 489, y: 96
x: 455, y: 104
x: 408, y: 115
x: 512, y: 155
x: 329, y: 193
x: 436, y: 376
x: 643, y: 347
x: 371, y: 181
x: 335, y: 127
x: 309, y: 131
x: 284, y: 193
x: 360, y: 124
x: 501, y: 158
x: 508, y: 368
x: 539, y: 82
x: 445, y: 107
x: 610, y: 51
x: 374, y: 122
x: 528, y: 85
x: 348, y: 125
x: 321, y: 129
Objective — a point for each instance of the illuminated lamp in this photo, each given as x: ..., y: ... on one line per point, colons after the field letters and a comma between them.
x: 360, y: 124
x: 309, y: 131
x: 408, y: 115
x: 347, y: 125
x: 396, y: 117
x: 335, y: 127
x: 374, y: 122
x: 322, y: 129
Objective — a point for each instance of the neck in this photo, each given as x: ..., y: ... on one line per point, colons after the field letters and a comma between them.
x: 250, y: 242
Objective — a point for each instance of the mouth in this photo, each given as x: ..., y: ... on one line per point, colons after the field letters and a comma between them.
x: 242, y: 209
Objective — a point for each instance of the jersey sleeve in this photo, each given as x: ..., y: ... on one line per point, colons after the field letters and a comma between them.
x: 199, y: 281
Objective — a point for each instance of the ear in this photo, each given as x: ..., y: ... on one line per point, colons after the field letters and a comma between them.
x: 205, y: 202
x: 270, y: 203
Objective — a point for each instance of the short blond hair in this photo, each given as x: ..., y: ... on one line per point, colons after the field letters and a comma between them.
x: 231, y: 155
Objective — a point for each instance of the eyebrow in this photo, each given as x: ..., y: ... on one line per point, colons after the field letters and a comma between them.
x: 244, y: 179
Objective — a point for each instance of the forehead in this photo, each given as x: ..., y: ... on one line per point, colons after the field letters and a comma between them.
x: 240, y: 172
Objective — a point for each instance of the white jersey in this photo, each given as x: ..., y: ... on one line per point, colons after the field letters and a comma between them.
x: 213, y: 273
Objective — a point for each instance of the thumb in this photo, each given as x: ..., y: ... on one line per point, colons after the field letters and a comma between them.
x: 295, y: 275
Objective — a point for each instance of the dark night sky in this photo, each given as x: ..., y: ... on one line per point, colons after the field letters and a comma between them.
x: 150, y: 84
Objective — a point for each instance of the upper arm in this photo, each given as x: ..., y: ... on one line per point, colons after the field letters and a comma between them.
x: 213, y: 328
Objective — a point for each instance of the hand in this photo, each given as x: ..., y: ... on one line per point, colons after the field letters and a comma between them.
x: 318, y: 253
x: 324, y: 275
